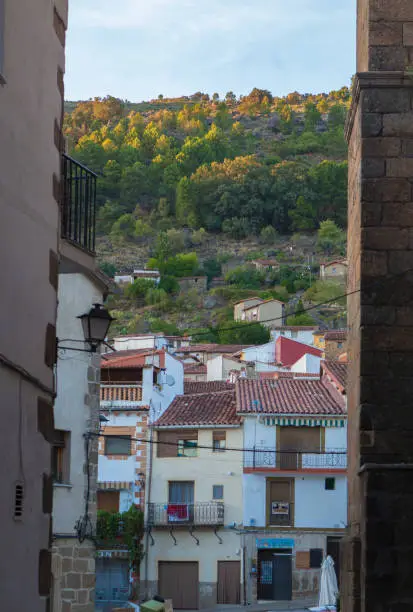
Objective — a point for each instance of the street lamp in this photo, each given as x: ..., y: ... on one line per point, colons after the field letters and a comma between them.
x: 96, y: 325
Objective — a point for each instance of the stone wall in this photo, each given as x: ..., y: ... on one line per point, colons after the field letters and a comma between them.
x: 376, y: 557
x: 73, y: 570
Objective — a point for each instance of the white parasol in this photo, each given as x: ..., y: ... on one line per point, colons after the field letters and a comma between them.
x: 328, y: 584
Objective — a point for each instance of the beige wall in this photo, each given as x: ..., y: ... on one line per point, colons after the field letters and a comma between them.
x: 269, y: 313
x: 337, y: 270
x: 207, y: 469
x: 239, y: 308
x: 31, y: 103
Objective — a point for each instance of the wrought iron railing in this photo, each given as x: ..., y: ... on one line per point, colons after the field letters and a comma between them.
x: 78, y: 204
x: 174, y: 515
x: 120, y: 393
x: 266, y: 457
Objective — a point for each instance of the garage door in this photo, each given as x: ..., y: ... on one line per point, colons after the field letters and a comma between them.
x: 179, y: 581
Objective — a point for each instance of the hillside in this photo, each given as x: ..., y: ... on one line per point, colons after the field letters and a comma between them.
x: 229, y: 179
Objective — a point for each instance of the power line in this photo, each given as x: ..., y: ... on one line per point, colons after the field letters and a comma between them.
x: 295, y: 313
x: 218, y: 451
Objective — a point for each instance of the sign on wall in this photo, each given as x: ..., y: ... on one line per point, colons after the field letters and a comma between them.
x: 274, y: 543
x: 280, y: 508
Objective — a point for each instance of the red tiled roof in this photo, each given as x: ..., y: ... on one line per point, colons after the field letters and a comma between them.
x: 337, y: 372
x: 339, y: 335
x: 201, y: 410
x: 288, y: 351
x: 295, y: 328
x: 213, y: 386
x: 195, y: 348
x: 291, y: 375
x: 132, y: 359
x: 227, y: 349
x: 287, y: 396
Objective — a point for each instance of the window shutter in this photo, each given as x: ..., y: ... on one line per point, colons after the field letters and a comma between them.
x: 302, y: 559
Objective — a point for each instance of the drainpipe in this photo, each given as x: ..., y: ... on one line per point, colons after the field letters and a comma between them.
x: 148, y: 501
x: 244, y: 572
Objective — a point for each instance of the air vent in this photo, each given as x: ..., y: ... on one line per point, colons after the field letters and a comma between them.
x: 18, y: 501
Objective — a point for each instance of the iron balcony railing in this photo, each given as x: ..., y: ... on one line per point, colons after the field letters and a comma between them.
x: 78, y: 204
x: 260, y: 457
x: 120, y: 393
x: 173, y: 515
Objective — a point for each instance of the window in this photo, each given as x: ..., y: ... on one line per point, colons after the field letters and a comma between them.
x: 219, y: 441
x: 181, y: 492
x: 217, y: 491
x: 330, y: 484
x: 118, y: 445
x: 187, y: 448
x: 108, y: 501
x: 316, y: 558
x: 339, y: 345
x: 61, y: 457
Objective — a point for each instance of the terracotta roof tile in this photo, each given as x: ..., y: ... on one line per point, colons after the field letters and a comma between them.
x: 213, y: 386
x: 287, y: 396
x: 336, y: 371
x: 132, y: 359
x: 195, y: 368
x: 201, y: 410
x: 291, y: 375
x: 227, y: 349
x: 338, y: 335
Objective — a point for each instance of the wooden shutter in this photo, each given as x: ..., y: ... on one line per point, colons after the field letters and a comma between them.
x: 302, y: 559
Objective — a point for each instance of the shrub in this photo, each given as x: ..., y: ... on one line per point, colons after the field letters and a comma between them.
x: 245, y: 277
x: 139, y: 288
x: 268, y: 235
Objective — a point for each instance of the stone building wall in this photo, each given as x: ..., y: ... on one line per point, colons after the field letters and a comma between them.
x: 376, y: 558
x: 73, y: 569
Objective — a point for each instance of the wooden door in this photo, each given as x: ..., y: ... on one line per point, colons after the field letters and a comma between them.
x: 280, y: 502
x: 179, y: 581
x: 229, y: 582
x: 108, y: 501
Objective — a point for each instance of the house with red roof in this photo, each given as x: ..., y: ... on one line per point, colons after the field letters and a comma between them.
x: 194, y: 510
x: 294, y: 479
x: 288, y: 351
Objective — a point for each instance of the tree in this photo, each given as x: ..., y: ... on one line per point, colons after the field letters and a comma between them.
x: 230, y: 98
x: 108, y: 268
x: 243, y: 333
x: 245, y: 277
x: 330, y: 238
x: 312, y: 116
x: 185, y: 204
x: 139, y: 288
x: 268, y: 234
x: 215, y: 97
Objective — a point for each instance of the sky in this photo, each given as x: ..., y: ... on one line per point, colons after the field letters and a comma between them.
x: 138, y: 49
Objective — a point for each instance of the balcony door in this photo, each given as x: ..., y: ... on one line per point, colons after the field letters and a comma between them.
x: 280, y: 502
x: 181, y: 502
x: 297, y: 440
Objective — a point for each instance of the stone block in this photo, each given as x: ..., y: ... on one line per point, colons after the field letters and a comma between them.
x: 404, y: 315
x: 374, y: 263
x: 386, y: 190
x: 373, y: 167
x: 371, y: 124
x: 400, y: 261
x: 371, y: 214
x: 378, y: 315
x: 381, y: 147
x: 387, y: 58
x: 82, y: 596
x: 68, y: 594
x: 395, y: 124
x: 391, y: 10
x: 66, y: 606
x: 407, y: 147
x: 408, y: 34
x: 397, y: 214
x: 384, y: 238
x: 395, y: 100
x: 73, y: 581
x: 67, y: 565
x: 386, y: 33
x: 80, y: 565
x: 400, y: 168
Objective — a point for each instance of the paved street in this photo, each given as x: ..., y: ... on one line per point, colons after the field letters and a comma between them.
x: 271, y: 606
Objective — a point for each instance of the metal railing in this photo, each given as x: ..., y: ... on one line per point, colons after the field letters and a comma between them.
x: 173, y: 515
x: 78, y: 204
x: 120, y: 393
x: 266, y: 457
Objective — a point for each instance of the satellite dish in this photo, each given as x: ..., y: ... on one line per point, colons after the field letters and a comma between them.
x: 170, y: 380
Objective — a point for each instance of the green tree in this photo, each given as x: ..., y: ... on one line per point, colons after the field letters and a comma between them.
x: 330, y: 238
x: 243, y: 333
x: 245, y: 277
x: 268, y: 235
x: 311, y: 116
x: 139, y: 288
x: 185, y: 204
x: 108, y: 268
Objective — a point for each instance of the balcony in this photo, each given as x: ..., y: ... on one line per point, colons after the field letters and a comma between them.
x: 120, y: 395
x: 208, y: 514
x: 78, y: 204
x: 265, y: 459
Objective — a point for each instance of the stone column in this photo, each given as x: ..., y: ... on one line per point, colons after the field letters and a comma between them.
x: 377, y: 556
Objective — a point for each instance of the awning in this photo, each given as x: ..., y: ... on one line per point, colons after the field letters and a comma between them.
x: 304, y: 422
x: 114, y: 486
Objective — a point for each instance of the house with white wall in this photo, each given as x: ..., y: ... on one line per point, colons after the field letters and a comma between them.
x: 134, y: 342
x: 294, y: 483
x: 194, y: 503
x: 269, y: 313
x: 136, y: 387
x: 304, y: 334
